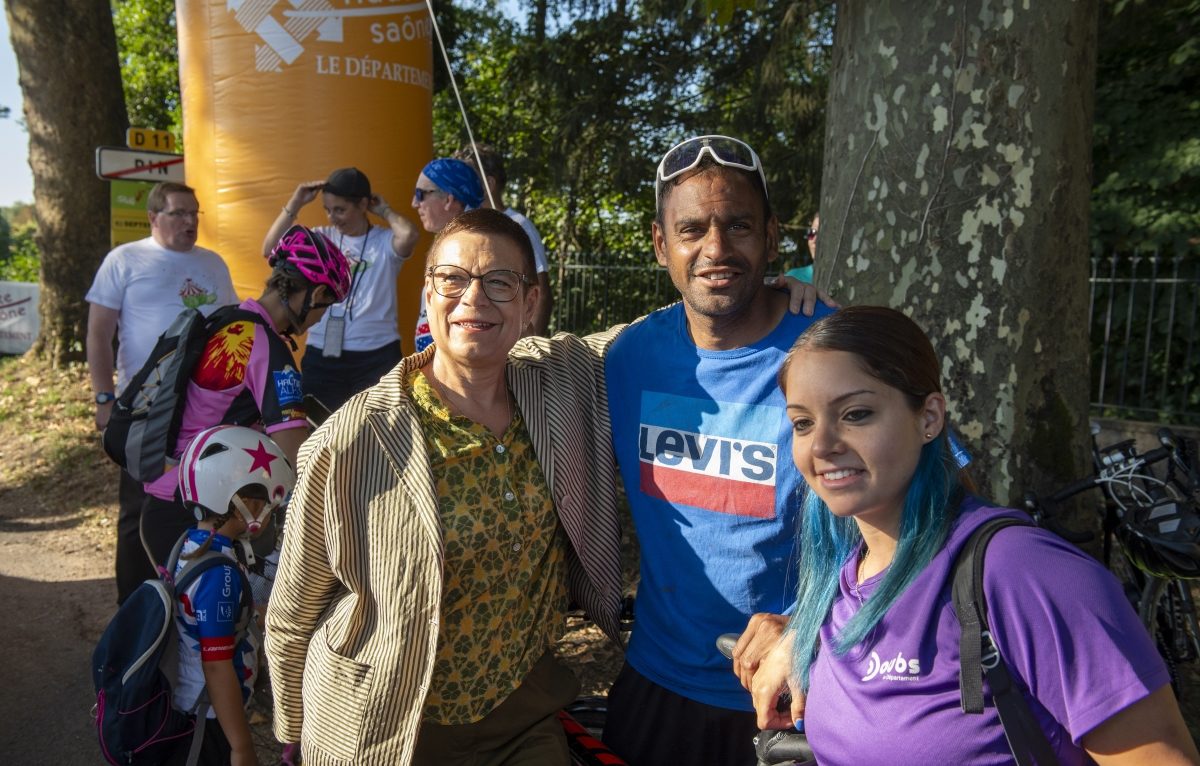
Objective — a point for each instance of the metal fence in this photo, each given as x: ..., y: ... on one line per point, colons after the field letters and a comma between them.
x: 1143, y: 320
x: 1145, y: 354
x: 594, y: 292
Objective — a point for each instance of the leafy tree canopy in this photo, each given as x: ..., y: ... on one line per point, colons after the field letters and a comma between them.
x: 583, y: 97
x: 148, y: 46
x: 1146, y: 158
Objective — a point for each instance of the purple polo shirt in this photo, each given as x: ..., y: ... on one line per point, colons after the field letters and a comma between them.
x: 1060, y: 620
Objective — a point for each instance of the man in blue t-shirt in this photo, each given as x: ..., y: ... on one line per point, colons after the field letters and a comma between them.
x: 701, y: 439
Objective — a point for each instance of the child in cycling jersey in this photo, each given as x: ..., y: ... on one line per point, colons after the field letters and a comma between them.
x: 232, y: 478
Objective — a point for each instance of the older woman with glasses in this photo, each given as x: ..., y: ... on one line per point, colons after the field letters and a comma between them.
x: 443, y: 521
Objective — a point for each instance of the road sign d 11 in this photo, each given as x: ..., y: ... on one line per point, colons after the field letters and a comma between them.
x: 115, y: 163
x: 150, y: 139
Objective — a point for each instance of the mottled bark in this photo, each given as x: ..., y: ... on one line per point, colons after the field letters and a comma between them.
x: 71, y: 83
x: 956, y: 188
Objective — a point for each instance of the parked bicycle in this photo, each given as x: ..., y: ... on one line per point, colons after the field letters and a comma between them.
x: 1150, y: 513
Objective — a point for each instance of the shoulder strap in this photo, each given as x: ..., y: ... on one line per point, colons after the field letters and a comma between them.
x: 977, y: 649
x: 201, y: 564
x: 229, y: 314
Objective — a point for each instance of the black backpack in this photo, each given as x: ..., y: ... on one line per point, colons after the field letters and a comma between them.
x: 144, y: 426
x: 135, y: 663
x: 977, y: 650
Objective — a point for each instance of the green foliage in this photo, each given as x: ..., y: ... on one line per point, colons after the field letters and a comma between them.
x: 583, y: 98
x: 149, y: 50
x: 1146, y: 156
x: 19, y: 261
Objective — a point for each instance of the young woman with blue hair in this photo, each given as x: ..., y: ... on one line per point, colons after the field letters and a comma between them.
x: 871, y: 656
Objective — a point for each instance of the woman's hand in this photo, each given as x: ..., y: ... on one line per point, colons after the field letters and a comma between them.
x: 380, y: 207
x: 304, y: 194
x: 773, y: 677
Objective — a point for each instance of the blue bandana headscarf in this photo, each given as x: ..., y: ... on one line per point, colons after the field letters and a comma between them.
x: 456, y: 178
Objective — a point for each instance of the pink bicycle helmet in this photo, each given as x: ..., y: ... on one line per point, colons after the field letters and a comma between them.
x: 316, y: 258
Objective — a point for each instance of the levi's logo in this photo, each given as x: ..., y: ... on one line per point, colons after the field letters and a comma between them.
x: 708, y: 455
x: 716, y: 456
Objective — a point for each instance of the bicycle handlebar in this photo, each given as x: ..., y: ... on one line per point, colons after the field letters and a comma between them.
x: 1111, y: 463
x: 782, y: 746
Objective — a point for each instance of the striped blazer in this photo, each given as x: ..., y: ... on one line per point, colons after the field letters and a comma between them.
x: 352, y: 626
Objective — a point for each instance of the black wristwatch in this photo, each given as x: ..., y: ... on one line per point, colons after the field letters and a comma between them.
x: 104, y: 397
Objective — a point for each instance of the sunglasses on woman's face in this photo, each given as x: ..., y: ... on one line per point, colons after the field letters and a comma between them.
x: 420, y: 194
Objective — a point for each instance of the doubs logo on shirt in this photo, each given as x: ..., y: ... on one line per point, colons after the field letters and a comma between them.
x: 898, y: 668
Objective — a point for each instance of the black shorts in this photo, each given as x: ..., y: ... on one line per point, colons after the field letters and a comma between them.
x: 648, y: 725
x: 334, y: 379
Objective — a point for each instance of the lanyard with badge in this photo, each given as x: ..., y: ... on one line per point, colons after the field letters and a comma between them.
x: 335, y: 324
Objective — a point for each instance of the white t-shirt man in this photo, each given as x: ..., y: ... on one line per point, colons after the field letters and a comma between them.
x: 150, y: 285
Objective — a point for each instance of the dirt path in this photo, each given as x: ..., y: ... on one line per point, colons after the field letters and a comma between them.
x: 55, y: 606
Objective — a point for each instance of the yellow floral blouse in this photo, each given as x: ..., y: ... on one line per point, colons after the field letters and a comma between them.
x: 504, y: 600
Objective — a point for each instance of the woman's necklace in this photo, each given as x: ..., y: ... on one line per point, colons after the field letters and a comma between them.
x: 862, y: 563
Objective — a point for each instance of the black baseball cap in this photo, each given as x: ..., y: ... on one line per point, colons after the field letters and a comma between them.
x: 350, y: 183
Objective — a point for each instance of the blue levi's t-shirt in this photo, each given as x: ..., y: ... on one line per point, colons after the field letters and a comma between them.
x: 704, y: 449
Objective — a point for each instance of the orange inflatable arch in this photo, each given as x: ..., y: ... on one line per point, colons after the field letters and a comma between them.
x: 276, y: 92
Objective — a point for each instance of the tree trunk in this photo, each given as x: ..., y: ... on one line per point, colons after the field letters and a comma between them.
x: 956, y: 189
x: 71, y: 82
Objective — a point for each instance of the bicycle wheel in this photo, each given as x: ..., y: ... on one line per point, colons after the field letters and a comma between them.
x: 1155, y: 613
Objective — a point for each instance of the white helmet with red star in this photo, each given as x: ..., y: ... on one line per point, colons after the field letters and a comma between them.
x: 224, y: 465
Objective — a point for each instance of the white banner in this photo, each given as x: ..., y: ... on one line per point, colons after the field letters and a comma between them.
x: 19, y: 318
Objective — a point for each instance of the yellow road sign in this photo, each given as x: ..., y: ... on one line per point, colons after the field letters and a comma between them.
x: 148, y: 138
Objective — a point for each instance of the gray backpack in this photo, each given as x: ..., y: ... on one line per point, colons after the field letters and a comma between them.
x: 141, y: 434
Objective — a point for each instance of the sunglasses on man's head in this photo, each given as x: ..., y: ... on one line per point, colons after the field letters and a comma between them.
x: 725, y: 151
x: 420, y: 194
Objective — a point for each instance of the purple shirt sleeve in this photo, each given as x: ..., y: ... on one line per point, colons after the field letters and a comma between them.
x: 1064, y: 624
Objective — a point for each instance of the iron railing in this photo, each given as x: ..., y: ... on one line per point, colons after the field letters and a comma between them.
x: 1143, y: 315
x: 593, y: 292
x: 1143, y: 319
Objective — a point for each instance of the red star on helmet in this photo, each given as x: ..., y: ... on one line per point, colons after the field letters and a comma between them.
x: 262, y: 458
